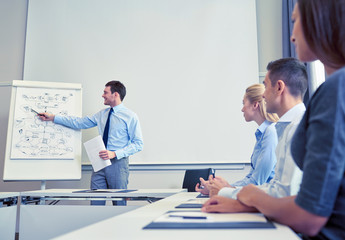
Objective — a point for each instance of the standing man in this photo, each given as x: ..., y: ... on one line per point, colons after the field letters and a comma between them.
x: 285, y: 83
x: 121, y: 133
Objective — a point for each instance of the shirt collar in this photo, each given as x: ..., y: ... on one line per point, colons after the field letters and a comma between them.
x: 264, y: 125
x: 290, y: 115
x: 118, y: 107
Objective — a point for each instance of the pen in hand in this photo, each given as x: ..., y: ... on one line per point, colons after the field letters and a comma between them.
x: 39, y: 114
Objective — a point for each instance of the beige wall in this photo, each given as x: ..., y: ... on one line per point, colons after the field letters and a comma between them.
x: 12, y: 41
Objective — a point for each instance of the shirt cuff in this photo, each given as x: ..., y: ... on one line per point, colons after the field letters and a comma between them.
x: 57, y: 119
x: 119, y: 154
x: 229, y: 192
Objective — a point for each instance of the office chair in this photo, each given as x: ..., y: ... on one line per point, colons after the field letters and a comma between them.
x: 191, y: 177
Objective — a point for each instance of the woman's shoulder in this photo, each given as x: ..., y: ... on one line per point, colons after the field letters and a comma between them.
x: 331, y: 88
x: 271, y: 127
x: 339, y: 73
x: 270, y: 131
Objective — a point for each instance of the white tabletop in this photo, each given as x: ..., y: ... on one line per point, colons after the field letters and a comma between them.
x: 129, y: 226
x: 158, y: 193
x: 8, y: 194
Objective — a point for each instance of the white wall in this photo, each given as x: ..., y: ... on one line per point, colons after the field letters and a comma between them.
x: 166, y: 68
x: 13, y: 22
x: 12, y: 41
x: 269, y: 20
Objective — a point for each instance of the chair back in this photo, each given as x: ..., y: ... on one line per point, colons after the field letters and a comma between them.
x: 191, y: 177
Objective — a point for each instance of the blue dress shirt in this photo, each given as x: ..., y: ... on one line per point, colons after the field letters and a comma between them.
x: 125, y: 137
x: 263, y: 159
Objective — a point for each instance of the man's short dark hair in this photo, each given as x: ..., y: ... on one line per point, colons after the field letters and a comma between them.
x: 117, y: 86
x: 292, y: 72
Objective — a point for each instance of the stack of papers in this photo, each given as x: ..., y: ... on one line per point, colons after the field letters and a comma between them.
x: 198, y: 219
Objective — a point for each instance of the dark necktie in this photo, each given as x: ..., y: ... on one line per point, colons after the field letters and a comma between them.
x: 106, y: 129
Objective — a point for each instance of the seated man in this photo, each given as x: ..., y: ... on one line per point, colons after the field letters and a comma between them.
x: 286, y: 83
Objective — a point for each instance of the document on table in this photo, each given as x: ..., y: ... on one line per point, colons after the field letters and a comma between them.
x: 194, y: 216
x: 203, y: 196
x: 93, y: 147
x: 193, y: 203
x: 196, y: 201
x: 200, y: 220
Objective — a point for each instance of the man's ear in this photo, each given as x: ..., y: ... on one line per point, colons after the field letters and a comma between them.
x: 280, y: 87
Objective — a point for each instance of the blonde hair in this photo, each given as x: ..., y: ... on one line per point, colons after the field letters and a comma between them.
x: 254, y: 93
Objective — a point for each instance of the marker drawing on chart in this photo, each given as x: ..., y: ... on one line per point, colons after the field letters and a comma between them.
x: 36, y: 139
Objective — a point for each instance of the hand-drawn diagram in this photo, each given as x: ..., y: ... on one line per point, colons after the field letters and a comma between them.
x: 36, y: 139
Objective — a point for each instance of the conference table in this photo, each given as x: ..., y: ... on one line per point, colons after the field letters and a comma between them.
x: 45, y: 214
x: 69, y: 195
x: 8, y: 214
x: 130, y: 226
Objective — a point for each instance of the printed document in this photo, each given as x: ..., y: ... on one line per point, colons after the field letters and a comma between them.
x: 93, y: 147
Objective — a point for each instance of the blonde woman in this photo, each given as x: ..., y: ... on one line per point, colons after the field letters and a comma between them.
x: 263, y: 159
